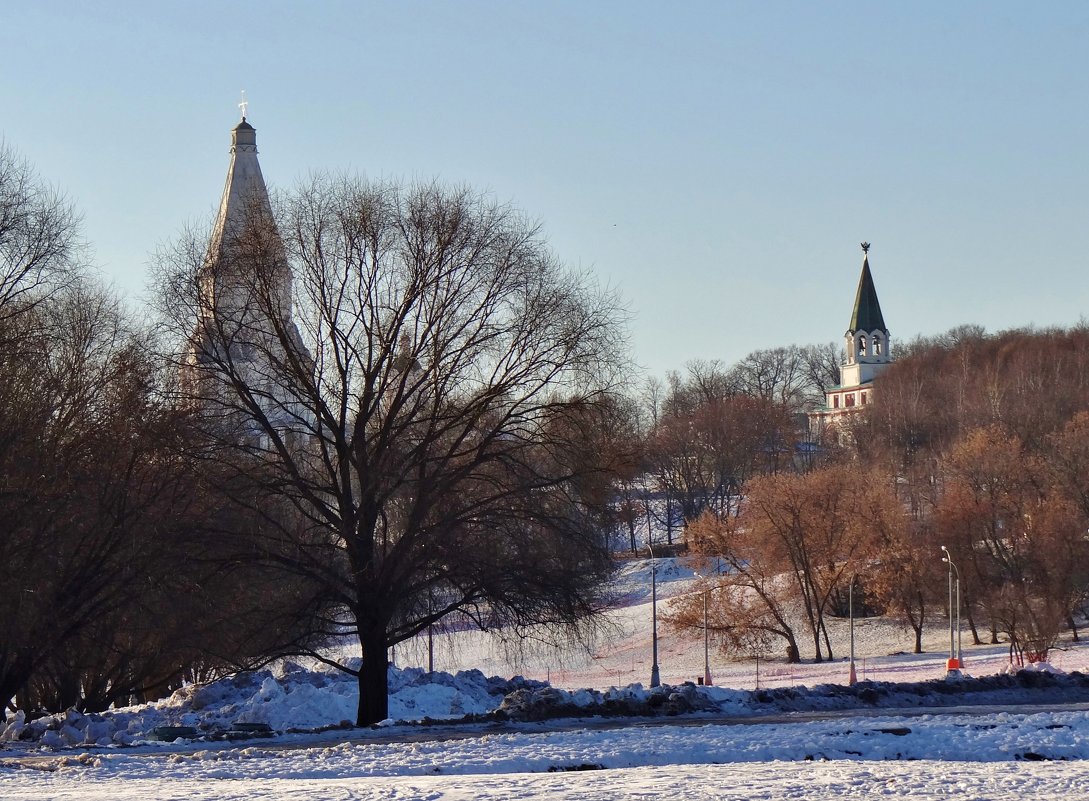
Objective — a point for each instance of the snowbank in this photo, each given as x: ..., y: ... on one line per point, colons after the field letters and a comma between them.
x: 290, y: 698
x: 293, y: 698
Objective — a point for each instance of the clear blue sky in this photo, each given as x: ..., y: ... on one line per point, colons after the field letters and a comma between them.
x: 717, y: 162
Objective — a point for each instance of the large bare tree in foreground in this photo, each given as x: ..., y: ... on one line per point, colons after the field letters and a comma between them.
x: 416, y: 409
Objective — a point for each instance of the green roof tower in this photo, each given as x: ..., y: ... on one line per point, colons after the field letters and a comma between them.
x: 867, y: 340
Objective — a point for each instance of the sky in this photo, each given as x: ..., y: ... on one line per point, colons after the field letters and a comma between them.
x: 717, y: 163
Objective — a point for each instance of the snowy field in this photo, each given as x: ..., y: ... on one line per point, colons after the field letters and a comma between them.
x: 997, y: 756
x: 881, y: 646
x: 994, y: 753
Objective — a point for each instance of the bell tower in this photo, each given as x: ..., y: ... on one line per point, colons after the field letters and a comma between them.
x: 866, y: 340
x: 868, y: 348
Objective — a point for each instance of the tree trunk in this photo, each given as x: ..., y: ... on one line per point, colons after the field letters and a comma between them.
x: 373, y: 681
x: 972, y: 625
x: 13, y: 684
x: 1073, y: 628
x: 818, y: 655
x: 917, y: 623
x: 827, y: 642
x: 66, y: 691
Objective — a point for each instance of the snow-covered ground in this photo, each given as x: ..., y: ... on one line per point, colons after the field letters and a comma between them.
x: 998, y: 756
x: 624, y: 657
x: 1006, y: 753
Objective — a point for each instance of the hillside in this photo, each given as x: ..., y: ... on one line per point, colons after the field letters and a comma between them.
x: 622, y: 654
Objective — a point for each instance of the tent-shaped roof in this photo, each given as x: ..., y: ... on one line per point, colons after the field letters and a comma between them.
x: 244, y: 192
x: 866, y: 315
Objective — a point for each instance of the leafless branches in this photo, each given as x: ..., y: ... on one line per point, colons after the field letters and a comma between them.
x: 426, y: 410
x: 39, y: 230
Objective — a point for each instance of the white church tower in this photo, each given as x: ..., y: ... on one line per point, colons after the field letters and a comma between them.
x: 868, y: 348
x: 244, y: 328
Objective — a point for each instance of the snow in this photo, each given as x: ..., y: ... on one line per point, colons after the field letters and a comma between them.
x: 985, y: 757
x: 783, y: 742
x: 289, y: 698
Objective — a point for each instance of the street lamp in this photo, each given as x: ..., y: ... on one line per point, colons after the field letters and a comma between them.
x: 706, y: 627
x: 430, y: 632
x: 852, y: 677
x: 706, y: 642
x: 954, y: 655
x: 655, y: 679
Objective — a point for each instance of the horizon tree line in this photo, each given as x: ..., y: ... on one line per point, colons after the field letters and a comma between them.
x: 979, y: 443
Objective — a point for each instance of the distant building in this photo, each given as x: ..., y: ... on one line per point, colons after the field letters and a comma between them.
x: 244, y: 307
x: 869, y: 351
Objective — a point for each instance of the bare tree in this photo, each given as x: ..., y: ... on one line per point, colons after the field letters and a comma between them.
x: 433, y: 420
x: 907, y: 578
x: 708, y: 381
x: 993, y: 488
x: 1068, y: 464
x: 632, y: 501
x: 778, y: 375
x: 746, y: 602
x: 110, y: 538
x: 821, y: 365
x: 76, y: 477
x: 39, y: 237
x: 798, y: 538
x: 702, y: 457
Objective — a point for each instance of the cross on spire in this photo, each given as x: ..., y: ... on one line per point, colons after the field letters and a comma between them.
x: 244, y: 105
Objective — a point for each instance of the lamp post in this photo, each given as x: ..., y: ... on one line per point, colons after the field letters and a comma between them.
x: 706, y: 642
x: 954, y: 655
x: 707, y: 681
x: 852, y: 677
x: 430, y: 633
x: 655, y: 678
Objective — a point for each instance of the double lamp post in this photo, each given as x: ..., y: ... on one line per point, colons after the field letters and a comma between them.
x: 955, y: 662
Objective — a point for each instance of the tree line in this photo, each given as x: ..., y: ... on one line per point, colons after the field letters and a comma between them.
x: 117, y: 582
x: 691, y: 443
x: 976, y: 442
x: 373, y: 408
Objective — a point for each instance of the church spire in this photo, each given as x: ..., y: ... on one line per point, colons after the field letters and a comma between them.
x: 867, y: 341
x: 867, y: 347
x: 866, y: 315
x: 244, y: 330
x: 233, y: 269
x: 245, y: 192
